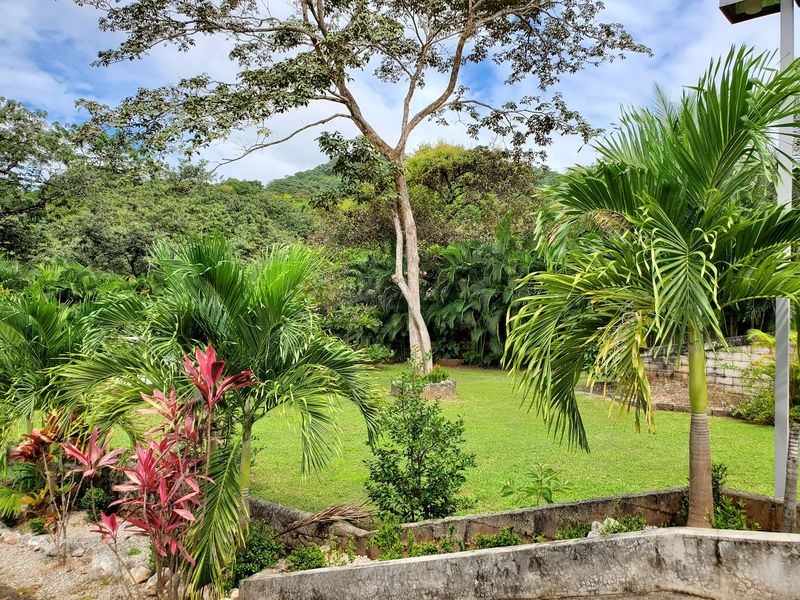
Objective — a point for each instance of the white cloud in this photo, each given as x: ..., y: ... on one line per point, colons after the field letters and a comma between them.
x: 46, y: 48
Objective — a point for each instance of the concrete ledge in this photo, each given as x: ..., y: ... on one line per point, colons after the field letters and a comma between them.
x: 657, y: 507
x: 668, y: 563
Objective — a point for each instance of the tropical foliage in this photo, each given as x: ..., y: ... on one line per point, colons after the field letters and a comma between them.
x: 419, y: 466
x: 677, y: 246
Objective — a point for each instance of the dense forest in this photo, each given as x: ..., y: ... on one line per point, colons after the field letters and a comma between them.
x: 84, y: 201
x: 88, y: 206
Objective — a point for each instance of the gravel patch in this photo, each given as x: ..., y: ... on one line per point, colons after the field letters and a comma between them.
x: 30, y: 575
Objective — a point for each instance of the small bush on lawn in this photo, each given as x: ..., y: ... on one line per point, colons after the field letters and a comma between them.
x: 418, y: 466
x: 506, y: 537
x: 437, y: 375
x: 573, y: 529
x: 261, y: 551
x: 96, y: 501
x: 308, y: 557
x: 37, y: 525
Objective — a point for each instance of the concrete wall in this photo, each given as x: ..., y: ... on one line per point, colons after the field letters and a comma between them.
x: 724, y: 367
x: 658, y: 508
x: 667, y: 563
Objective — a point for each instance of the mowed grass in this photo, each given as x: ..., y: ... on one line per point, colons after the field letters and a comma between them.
x: 506, y: 440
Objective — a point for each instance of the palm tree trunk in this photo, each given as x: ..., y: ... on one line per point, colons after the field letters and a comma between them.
x: 701, y: 499
x: 789, y: 522
x: 244, y: 469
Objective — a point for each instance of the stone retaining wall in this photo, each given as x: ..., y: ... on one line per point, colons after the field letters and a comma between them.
x: 666, y: 563
x: 658, y: 508
x: 281, y: 517
x: 724, y: 367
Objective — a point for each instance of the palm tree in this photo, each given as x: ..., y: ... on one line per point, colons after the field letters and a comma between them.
x: 678, y: 244
x: 36, y: 334
x: 259, y: 317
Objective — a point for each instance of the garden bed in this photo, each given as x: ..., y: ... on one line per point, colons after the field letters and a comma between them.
x: 666, y: 563
x: 657, y: 508
x: 673, y: 395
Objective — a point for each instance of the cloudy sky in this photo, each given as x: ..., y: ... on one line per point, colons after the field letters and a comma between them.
x: 46, y: 47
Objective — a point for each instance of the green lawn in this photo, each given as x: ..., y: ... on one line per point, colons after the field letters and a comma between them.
x: 506, y: 439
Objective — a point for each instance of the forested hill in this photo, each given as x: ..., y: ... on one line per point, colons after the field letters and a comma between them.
x: 305, y: 185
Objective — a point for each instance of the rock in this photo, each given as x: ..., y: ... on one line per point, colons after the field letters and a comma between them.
x: 12, y: 538
x: 597, y: 528
x: 77, y: 552
x: 140, y: 574
x: 103, y: 559
x: 234, y: 593
x: 150, y: 586
x: 50, y: 550
x: 40, y: 543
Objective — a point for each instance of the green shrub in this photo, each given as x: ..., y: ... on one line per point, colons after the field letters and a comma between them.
x: 573, y: 529
x: 635, y: 522
x: 732, y: 515
x: 437, y: 375
x: 134, y: 552
x: 379, y: 353
x: 623, y: 524
x: 305, y: 558
x: 37, y: 525
x: 423, y: 549
x: 450, y: 543
x: 261, y: 551
x: 418, y: 466
x: 757, y: 409
x: 96, y: 500
x: 506, y: 537
x: 543, y: 484
x: 387, y: 540
x: 727, y: 513
x: 719, y: 476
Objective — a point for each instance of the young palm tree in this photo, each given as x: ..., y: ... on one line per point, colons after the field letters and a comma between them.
x: 677, y: 245
x: 258, y: 317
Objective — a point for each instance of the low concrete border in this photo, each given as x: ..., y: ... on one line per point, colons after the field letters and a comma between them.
x: 667, y: 563
x: 657, y: 507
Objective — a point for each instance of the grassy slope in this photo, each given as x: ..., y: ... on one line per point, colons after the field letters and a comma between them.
x: 506, y: 439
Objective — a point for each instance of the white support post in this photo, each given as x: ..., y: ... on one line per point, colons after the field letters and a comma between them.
x: 782, y: 306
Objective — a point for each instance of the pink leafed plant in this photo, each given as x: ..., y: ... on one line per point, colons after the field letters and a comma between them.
x: 165, y: 477
x: 94, y: 457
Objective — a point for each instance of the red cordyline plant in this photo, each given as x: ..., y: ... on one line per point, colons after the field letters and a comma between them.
x: 51, y: 449
x: 165, y: 481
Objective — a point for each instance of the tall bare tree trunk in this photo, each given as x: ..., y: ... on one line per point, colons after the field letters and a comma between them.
x: 789, y: 522
x: 701, y: 499
x: 407, y: 274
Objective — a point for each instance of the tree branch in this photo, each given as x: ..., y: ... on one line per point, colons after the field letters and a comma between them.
x: 262, y: 145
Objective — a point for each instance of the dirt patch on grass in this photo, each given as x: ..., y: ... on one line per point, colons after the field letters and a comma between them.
x: 676, y: 391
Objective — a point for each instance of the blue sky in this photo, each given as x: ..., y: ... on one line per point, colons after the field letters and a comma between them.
x: 47, y: 46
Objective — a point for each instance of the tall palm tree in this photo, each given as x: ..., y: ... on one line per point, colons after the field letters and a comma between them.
x: 259, y: 317
x: 678, y: 245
